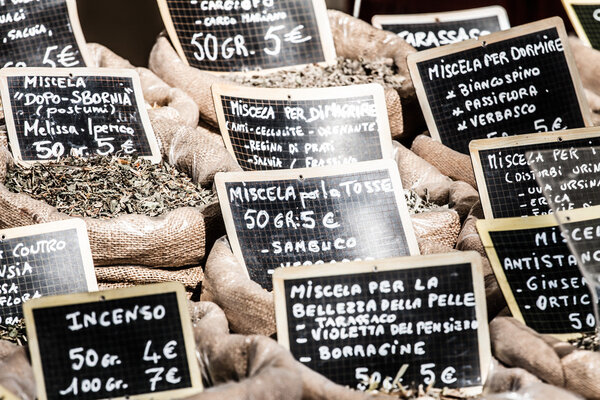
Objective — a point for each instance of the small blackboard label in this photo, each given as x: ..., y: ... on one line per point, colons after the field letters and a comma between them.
x: 114, y: 344
x: 500, y: 85
x: 269, y: 129
x: 43, y: 260
x: 52, y: 113
x: 425, y: 31
x: 538, y: 275
x: 585, y: 17
x: 395, y: 322
x: 507, y: 186
x: 41, y: 34
x: 315, y: 216
x: 249, y: 35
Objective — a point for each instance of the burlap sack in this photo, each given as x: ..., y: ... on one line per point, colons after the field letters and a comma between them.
x: 547, y: 358
x: 254, y: 367
x: 437, y: 226
x: 122, y: 276
x: 450, y: 163
x: 535, y: 391
x: 16, y: 374
x: 502, y: 379
x: 353, y: 39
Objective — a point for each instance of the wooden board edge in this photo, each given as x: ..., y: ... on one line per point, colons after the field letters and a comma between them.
x: 393, y: 264
x: 114, y: 294
x: 577, y: 215
x: 78, y: 33
x: 171, y: 31
x: 581, y: 33
x: 379, y: 20
x: 484, y: 196
x: 15, y: 147
x: 325, y: 33
x: 484, y: 227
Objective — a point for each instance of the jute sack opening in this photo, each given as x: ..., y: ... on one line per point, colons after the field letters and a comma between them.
x: 353, y: 38
x: 179, y: 237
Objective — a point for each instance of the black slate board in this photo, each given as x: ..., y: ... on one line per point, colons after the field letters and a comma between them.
x: 41, y: 34
x: 585, y: 17
x: 318, y: 217
x: 538, y: 275
x: 113, y: 344
x: 513, y: 94
x: 507, y: 186
x: 43, y: 260
x: 394, y: 322
x: 251, y: 35
x: 267, y: 129
x: 53, y: 113
x: 426, y: 31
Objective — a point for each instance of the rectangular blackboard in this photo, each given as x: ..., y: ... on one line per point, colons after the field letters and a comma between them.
x: 266, y: 129
x: 249, y: 35
x: 538, y: 275
x: 585, y: 17
x: 41, y: 34
x: 315, y: 216
x: 52, y: 113
x: 507, y: 186
x: 369, y: 319
x: 425, y: 31
x: 518, y: 81
x: 43, y: 260
x: 116, y: 343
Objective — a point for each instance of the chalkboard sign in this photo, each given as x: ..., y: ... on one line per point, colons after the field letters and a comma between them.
x: 538, y: 275
x: 43, y: 260
x: 52, y: 113
x: 425, y: 316
x: 113, y: 344
x: 518, y: 81
x: 507, y: 186
x: 267, y: 129
x: 6, y: 395
x: 42, y: 33
x: 315, y: 216
x: 425, y: 31
x: 585, y: 17
x: 249, y: 35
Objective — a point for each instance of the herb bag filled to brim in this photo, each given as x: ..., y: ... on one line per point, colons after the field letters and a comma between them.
x: 137, y: 214
x: 365, y: 55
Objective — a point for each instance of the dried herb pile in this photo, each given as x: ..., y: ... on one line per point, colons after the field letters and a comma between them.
x: 14, y: 333
x: 345, y: 72
x: 107, y: 186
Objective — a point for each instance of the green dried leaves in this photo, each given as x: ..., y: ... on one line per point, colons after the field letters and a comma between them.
x: 104, y: 187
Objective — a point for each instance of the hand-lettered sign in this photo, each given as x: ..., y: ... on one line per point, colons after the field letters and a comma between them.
x: 42, y: 33
x: 121, y: 343
x: 425, y: 31
x: 396, y: 322
x: 43, y: 260
x: 52, y: 113
x: 249, y: 35
x: 315, y: 216
x: 518, y: 81
x: 585, y: 17
x: 538, y: 275
x: 507, y: 186
x: 268, y: 129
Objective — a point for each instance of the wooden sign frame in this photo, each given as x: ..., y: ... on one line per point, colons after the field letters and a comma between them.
x: 330, y: 93
x: 425, y: 55
x: 450, y: 16
x: 6, y: 395
x: 568, y: 5
x: 58, y: 226
x: 78, y: 33
x: 323, y: 26
x: 222, y: 178
x: 485, y: 226
x: 5, y: 73
x: 114, y: 294
x: 392, y: 264
x: 479, y: 145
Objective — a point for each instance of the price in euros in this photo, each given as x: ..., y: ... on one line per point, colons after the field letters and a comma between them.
x: 158, y: 373
x: 209, y: 47
x: 260, y: 219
